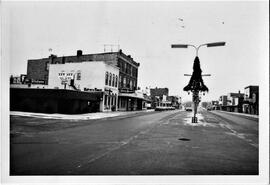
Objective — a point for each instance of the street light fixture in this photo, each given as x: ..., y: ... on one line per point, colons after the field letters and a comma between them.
x: 213, y: 44
x: 194, y: 77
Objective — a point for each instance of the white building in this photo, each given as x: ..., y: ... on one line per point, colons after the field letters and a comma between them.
x: 89, y: 76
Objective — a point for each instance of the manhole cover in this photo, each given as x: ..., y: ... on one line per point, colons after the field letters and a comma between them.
x: 184, y: 139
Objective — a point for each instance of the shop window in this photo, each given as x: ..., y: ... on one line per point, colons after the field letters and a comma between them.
x: 105, y: 100
x: 109, y: 101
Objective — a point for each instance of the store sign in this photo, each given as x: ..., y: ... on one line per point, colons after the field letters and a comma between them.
x: 38, y: 82
x: 92, y: 90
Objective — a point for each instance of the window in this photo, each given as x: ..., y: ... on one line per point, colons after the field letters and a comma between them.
x: 120, y: 81
x: 124, y: 82
x: 125, y: 67
x: 110, y: 79
x: 113, y: 80
x: 131, y: 87
x: 109, y: 102
x: 128, y: 82
x: 79, y: 75
x: 47, y: 66
x: 116, y: 81
x: 105, y: 100
x: 106, y: 78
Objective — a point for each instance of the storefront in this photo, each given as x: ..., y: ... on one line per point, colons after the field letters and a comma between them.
x: 131, y: 101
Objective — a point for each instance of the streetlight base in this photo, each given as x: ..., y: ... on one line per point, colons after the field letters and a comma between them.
x: 194, y: 120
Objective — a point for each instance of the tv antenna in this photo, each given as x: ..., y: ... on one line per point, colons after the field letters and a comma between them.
x: 111, y: 47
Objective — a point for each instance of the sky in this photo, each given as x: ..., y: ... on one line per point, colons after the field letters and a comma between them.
x: 146, y: 30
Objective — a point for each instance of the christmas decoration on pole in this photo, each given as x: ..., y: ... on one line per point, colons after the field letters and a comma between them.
x: 196, y: 84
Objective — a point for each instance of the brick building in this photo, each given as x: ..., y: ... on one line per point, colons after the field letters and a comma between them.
x: 128, y: 99
x: 38, y: 69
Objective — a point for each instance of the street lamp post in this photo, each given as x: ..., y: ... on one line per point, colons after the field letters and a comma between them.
x: 196, y: 83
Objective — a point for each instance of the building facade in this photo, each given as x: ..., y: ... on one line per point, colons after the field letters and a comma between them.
x: 235, y: 102
x: 89, y: 77
x: 127, y: 99
x: 38, y: 69
x: 159, y: 97
x: 251, y: 100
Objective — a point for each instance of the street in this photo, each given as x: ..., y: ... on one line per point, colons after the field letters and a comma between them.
x: 153, y: 143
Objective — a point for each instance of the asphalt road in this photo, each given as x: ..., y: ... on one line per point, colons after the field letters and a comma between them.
x: 156, y: 143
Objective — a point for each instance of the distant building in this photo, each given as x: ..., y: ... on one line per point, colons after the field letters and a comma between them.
x: 162, y: 101
x: 251, y: 100
x: 159, y: 92
x: 175, y: 100
x: 215, y: 105
x: 158, y: 95
x: 223, y: 101
x: 235, y: 102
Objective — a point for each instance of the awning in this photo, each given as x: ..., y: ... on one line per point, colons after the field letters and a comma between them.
x: 133, y: 95
x: 55, y: 93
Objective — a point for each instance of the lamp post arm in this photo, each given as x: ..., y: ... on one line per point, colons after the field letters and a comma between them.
x: 197, y: 49
x: 194, y: 48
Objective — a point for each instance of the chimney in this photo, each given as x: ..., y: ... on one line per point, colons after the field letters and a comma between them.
x: 79, y: 53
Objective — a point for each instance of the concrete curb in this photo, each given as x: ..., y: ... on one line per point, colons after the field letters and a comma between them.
x: 89, y: 116
x: 248, y: 116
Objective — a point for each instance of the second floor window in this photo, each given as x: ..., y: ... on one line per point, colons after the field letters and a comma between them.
x: 113, y: 80
x: 120, y: 81
x: 106, y: 78
x: 116, y: 81
x: 131, y: 85
x: 110, y: 79
x: 124, y: 82
x: 78, y: 75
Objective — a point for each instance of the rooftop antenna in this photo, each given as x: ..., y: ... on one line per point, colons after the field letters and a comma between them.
x: 50, y: 50
x: 111, y: 46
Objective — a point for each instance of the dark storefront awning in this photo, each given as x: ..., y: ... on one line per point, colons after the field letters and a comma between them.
x: 133, y: 95
x: 55, y: 93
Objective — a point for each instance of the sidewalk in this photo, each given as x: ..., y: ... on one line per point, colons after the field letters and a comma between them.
x: 240, y: 114
x: 88, y: 116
